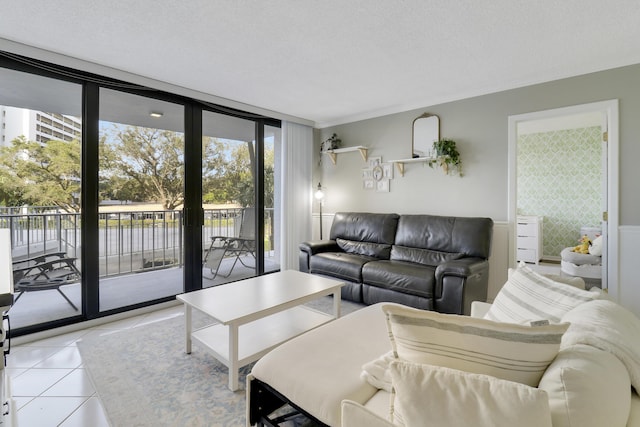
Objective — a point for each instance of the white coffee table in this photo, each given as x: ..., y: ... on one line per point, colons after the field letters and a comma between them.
x: 255, y: 315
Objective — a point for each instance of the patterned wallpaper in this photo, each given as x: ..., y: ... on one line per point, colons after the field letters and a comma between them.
x: 559, y: 177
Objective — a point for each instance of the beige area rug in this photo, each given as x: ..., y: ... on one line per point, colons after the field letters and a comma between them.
x: 144, y: 378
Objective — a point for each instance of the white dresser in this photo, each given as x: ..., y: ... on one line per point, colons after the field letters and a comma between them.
x: 529, y: 238
x: 7, y: 408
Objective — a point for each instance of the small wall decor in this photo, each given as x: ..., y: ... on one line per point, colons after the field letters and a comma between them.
x: 377, y: 175
x: 382, y: 186
x: 387, y: 170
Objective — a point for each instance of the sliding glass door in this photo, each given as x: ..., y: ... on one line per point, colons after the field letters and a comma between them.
x: 272, y: 200
x: 228, y: 198
x: 40, y: 185
x: 118, y: 196
x: 141, y: 196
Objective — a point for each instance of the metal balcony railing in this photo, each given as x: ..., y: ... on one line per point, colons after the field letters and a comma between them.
x: 129, y: 242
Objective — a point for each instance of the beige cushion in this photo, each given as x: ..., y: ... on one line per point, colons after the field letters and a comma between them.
x: 356, y: 415
x: 529, y: 296
x: 587, y: 387
x: 634, y: 414
x: 428, y: 395
x: 320, y: 368
x: 505, y: 350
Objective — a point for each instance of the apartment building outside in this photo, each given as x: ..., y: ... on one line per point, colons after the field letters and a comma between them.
x: 37, y: 125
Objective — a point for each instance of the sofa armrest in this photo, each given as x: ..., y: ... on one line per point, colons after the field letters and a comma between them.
x: 356, y: 415
x: 479, y: 308
x: 459, y: 282
x: 316, y: 246
x: 312, y: 247
x: 463, y: 267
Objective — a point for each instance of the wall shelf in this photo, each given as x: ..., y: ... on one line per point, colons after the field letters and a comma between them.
x: 400, y: 163
x: 333, y: 154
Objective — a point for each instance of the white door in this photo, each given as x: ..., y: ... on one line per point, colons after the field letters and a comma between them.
x: 609, y: 193
x: 605, y: 198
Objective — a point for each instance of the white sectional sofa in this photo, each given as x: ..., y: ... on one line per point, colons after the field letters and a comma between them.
x: 587, y: 383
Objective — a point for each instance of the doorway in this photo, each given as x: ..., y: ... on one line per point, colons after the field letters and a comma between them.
x: 600, y: 118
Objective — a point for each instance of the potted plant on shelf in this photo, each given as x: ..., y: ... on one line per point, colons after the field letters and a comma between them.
x: 447, y: 156
x: 331, y: 143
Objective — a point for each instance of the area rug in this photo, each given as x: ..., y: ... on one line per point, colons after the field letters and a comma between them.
x: 144, y: 378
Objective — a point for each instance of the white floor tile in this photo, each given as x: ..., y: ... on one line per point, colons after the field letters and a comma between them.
x: 66, y: 357
x: 58, y: 341
x: 35, y: 381
x: 119, y: 324
x: 157, y: 316
x: 49, y: 385
x: 20, y: 401
x: 14, y: 372
x: 48, y: 411
x: 90, y: 413
x: 77, y: 383
x: 28, y: 357
x: 99, y: 332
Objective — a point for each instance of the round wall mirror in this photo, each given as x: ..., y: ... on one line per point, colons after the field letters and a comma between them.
x: 426, y: 130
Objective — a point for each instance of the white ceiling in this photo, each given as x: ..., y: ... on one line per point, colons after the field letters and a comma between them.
x: 336, y: 61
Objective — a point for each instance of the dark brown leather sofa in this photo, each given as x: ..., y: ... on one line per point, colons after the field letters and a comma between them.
x: 425, y: 261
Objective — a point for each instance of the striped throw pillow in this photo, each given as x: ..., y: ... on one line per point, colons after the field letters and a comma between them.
x: 528, y: 296
x: 504, y: 350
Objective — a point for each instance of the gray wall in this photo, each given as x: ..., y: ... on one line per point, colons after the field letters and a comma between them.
x: 479, y: 125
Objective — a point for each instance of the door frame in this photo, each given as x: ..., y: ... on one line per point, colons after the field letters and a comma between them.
x: 610, y: 108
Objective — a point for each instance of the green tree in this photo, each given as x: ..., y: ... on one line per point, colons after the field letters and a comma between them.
x: 143, y: 163
x: 228, y: 172
x: 41, y: 174
x: 136, y: 164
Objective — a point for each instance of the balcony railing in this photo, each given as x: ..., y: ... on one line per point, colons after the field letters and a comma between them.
x: 129, y: 242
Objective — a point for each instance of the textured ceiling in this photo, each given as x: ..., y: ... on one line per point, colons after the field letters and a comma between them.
x: 336, y: 61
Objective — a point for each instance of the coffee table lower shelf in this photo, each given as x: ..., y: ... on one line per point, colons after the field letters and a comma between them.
x: 257, y: 338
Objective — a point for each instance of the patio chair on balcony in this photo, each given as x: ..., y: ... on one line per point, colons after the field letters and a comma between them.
x: 45, y: 272
x: 233, y: 247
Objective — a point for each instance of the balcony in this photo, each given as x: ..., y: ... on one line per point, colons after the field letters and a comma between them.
x: 140, y: 257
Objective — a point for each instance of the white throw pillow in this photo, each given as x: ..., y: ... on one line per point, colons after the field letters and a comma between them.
x: 504, y: 350
x: 575, y: 281
x: 427, y: 395
x: 596, y: 246
x: 528, y: 296
x: 587, y: 387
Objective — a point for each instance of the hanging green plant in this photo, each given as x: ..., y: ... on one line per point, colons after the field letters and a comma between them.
x: 447, y: 156
x: 332, y: 143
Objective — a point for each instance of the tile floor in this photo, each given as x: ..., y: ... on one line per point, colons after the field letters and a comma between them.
x: 49, y: 384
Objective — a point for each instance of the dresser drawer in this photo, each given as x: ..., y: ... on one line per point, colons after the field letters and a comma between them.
x: 527, y: 229
x: 527, y: 242
x: 527, y: 255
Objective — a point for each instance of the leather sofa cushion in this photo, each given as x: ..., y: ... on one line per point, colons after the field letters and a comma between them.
x: 422, y: 256
x: 376, y: 250
x: 400, y: 276
x: 469, y: 236
x: 364, y: 227
x: 340, y: 265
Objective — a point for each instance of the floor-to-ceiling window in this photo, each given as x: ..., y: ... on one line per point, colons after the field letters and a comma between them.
x: 141, y: 196
x: 272, y: 197
x: 232, y: 222
x: 40, y: 186
x: 128, y: 174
